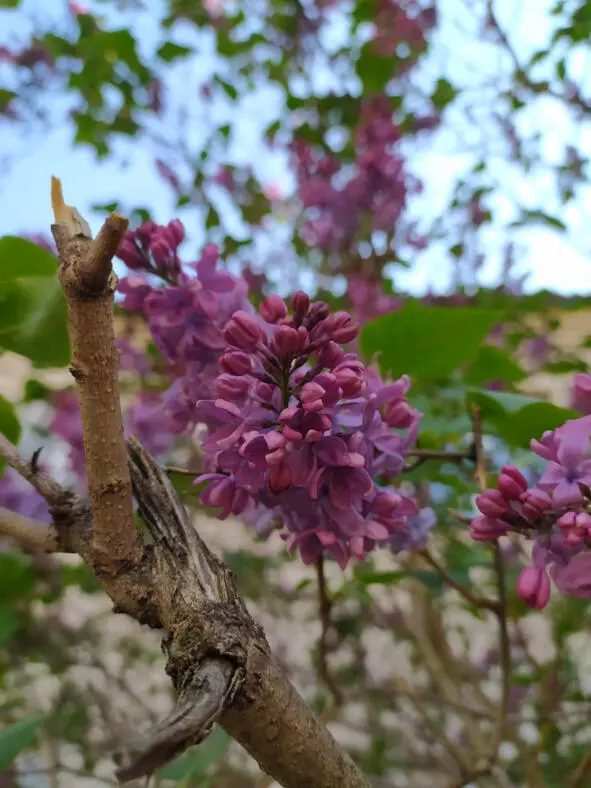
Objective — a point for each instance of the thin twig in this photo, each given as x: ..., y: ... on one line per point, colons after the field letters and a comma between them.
x: 440, y: 454
x: 477, y: 601
x: 184, y: 471
x: 28, y: 532
x: 45, y: 485
x: 500, y: 609
x: 505, y: 650
x: 324, y: 610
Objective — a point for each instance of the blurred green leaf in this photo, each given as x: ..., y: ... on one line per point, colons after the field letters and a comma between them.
x: 539, y: 217
x: 10, y: 625
x: 9, y: 424
x: 171, y: 51
x: 443, y: 94
x: 17, y: 577
x: 427, y: 342
x: 196, y: 763
x: 33, y: 320
x: 518, y: 419
x: 17, y: 737
x: 493, y: 363
x: 21, y: 259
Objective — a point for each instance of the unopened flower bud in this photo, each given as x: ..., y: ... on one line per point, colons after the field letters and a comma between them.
x: 273, y: 309
x: 534, y: 503
x: 235, y: 362
x: 300, y: 303
x: 130, y: 254
x: 176, y: 231
x: 487, y: 529
x: 243, y: 331
x: 232, y: 387
x: 340, y: 328
x: 286, y: 341
x: 492, y: 504
x: 511, y: 482
x: 331, y: 355
x: 533, y: 586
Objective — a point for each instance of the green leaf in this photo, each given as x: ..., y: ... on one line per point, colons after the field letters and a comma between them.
x: 9, y: 424
x: 493, y: 363
x: 539, y: 217
x: 20, y: 258
x: 9, y: 3
x: 518, y: 419
x: 196, y: 763
x: 171, y: 51
x: 10, y: 625
x: 427, y: 342
x: 443, y: 94
x: 33, y: 320
x: 17, y: 577
x: 17, y: 737
x: 6, y: 97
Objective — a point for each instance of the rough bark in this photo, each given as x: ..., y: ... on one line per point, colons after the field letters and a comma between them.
x: 218, y: 657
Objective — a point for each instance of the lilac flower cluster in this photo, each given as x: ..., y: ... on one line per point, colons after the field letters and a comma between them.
x: 556, y: 513
x: 186, y: 317
x: 376, y: 192
x: 300, y: 431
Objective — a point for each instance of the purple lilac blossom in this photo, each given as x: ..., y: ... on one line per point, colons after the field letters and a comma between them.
x: 303, y: 430
x: 556, y: 513
x: 186, y: 317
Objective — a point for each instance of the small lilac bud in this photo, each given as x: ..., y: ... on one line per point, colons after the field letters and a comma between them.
x: 176, y: 231
x: 487, y: 529
x: 273, y: 309
x: 317, y: 313
x: 492, y: 504
x: 161, y: 249
x: 235, y: 362
x: 511, y: 482
x: 341, y: 328
x: 300, y: 303
x: 399, y: 414
x: 243, y: 331
x: 331, y: 355
x: 533, y: 586
x: 534, y: 503
x: 350, y: 376
x: 279, y: 478
x: 286, y: 341
x: 311, y: 396
x: 130, y: 254
x: 145, y: 232
x: 265, y: 391
x: 232, y: 387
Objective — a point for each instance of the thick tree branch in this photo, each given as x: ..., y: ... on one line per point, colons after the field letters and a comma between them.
x: 28, y: 532
x: 85, y: 272
x: 218, y: 657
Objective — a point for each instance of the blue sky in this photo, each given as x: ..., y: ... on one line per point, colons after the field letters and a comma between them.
x: 560, y: 263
